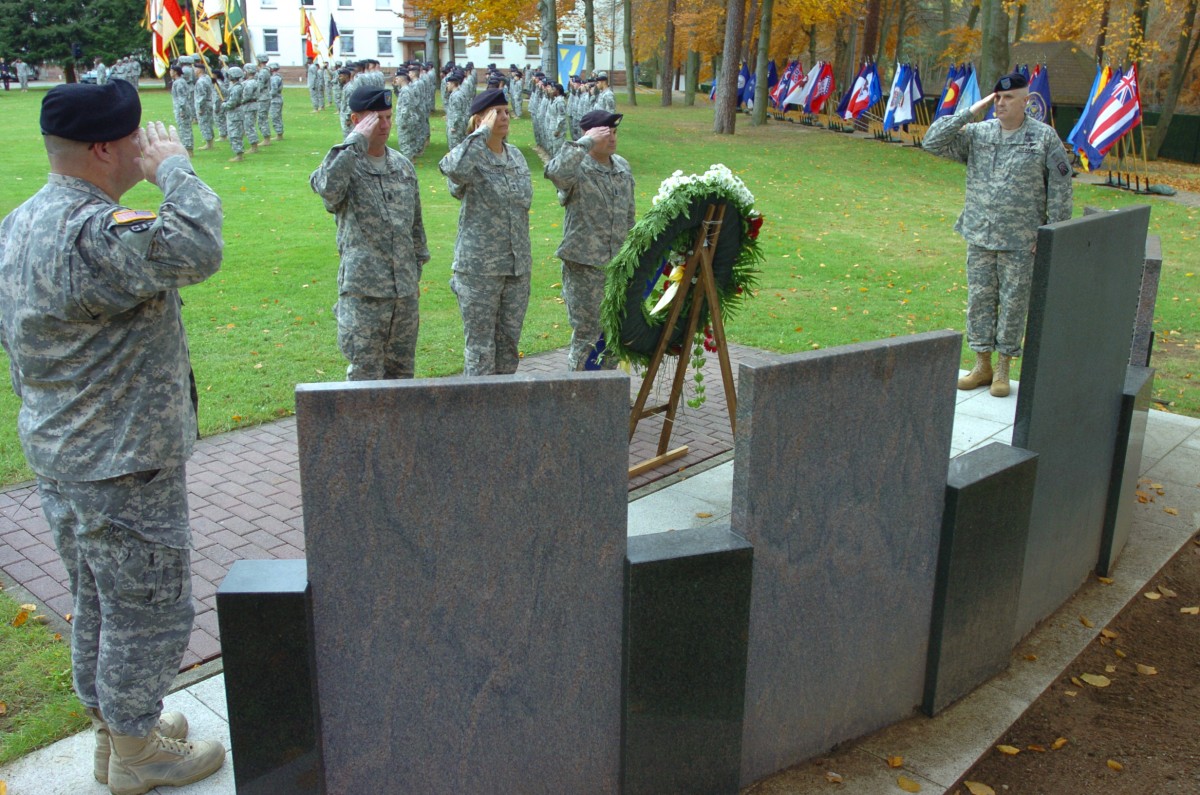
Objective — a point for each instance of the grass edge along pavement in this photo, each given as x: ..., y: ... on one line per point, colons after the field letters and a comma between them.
x: 857, y: 244
x: 844, y: 259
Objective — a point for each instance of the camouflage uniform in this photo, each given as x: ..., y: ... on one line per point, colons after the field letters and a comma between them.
x: 276, y: 100
x: 262, y: 110
x: 314, y: 94
x: 181, y: 102
x: 90, y: 319
x: 458, y: 114
x: 407, y: 130
x: 381, y: 240
x: 605, y: 101
x: 249, y: 104
x: 599, y: 202
x: 492, y: 258
x: 204, y: 95
x: 556, y: 125
x: 1016, y: 182
x: 233, y: 113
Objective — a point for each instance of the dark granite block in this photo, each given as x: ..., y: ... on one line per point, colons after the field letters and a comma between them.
x: 1142, y: 345
x: 1086, y: 281
x: 466, y: 542
x: 839, y: 482
x: 263, y: 614
x: 989, y: 493
x: 1127, y: 462
x: 687, y: 617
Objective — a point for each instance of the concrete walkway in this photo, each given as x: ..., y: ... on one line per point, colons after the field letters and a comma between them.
x: 936, y: 751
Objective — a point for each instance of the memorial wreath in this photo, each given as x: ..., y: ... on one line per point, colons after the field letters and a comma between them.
x: 659, y: 245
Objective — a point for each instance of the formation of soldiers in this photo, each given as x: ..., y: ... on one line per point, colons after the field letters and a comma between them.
x: 557, y: 111
x: 128, y: 69
x: 240, y: 104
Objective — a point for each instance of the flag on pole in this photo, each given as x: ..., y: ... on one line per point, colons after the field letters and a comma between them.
x: 845, y: 101
x: 970, y: 89
x: 866, y: 92
x: 899, y: 108
x: 748, y: 93
x: 822, y: 88
x: 1118, y: 114
x: 214, y: 8
x: 743, y: 81
x: 170, y: 19
x: 207, y: 38
x: 916, y: 91
x: 802, y: 87
x: 952, y: 91
x: 1039, y: 95
x: 1098, y: 84
x: 333, y: 35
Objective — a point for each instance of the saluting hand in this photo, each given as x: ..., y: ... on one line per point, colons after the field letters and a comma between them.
x: 157, y: 143
x: 983, y: 103
x: 367, y: 125
x: 599, y: 134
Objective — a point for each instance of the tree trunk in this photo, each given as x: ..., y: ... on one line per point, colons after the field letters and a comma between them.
x: 943, y: 36
x: 433, y: 35
x: 549, y: 39
x: 761, y: 68
x: 993, y: 61
x: 589, y: 28
x: 691, y: 73
x: 1019, y: 32
x: 725, y: 112
x: 885, y: 22
x: 450, y: 37
x: 812, y: 46
x: 1137, y: 36
x: 870, y: 30
x: 843, y: 57
x: 748, y: 31
x: 668, y: 71
x: 901, y: 24
x: 1185, y: 52
x: 630, y: 66
x: 1103, y: 34
x: 973, y: 17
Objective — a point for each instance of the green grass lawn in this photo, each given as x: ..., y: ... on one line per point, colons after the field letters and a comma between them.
x: 858, y: 245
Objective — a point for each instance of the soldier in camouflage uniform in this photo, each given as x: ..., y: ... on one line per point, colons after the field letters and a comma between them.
x: 249, y: 105
x: 221, y: 86
x: 203, y: 94
x: 181, y: 102
x: 233, y: 114
x: 492, y: 257
x: 406, y: 115
x: 344, y: 76
x: 314, y: 76
x: 458, y: 110
x: 604, y: 96
x: 335, y: 86
x: 108, y: 428
x: 595, y: 185
x: 275, y: 88
x: 373, y: 193
x: 262, y: 110
x: 1018, y: 179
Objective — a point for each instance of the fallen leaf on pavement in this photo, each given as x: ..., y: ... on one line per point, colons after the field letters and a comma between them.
x: 1108, y: 633
x: 895, y: 761
x: 1152, y: 595
x: 1059, y: 743
x: 1167, y: 592
x: 1146, y: 670
x: 1096, y: 680
x: 1086, y: 622
x: 1105, y: 580
x: 1191, y: 611
x: 1110, y: 669
x: 976, y: 788
x: 1041, y: 749
x: 907, y: 784
x: 1008, y: 750
x: 1115, y: 765
x: 832, y: 778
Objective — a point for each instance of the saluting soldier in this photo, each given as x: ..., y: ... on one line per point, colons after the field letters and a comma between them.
x: 492, y: 256
x: 458, y: 110
x: 596, y: 187
x: 372, y: 191
x: 604, y: 95
x: 1018, y: 179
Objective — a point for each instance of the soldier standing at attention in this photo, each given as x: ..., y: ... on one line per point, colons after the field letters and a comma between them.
x: 233, y: 114
x: 406, y: 115
x: 221, y: 83
x: 458, y: 110
x: 22, y: 73
x: 181, y: 102
x: 314, y: 93
x: 262, y: 110
x: 344, y: 75
x: 275, y: 87
x: 101, y: 71
x: 249, y: 105
x: 204, y: 95
x: 604, y: 96
x: 90, y: 319
x: 373, y: 193
x: 1018, y: 179
x: 595, y: 185
x: 492, y: 257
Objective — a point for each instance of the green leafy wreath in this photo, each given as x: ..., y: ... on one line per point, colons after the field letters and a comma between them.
x: 662, y: 239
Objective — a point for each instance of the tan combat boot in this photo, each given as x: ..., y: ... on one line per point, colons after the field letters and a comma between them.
x: 139, y: 764
x: 266, y: 141
x: 981, y: 374
x: 170, y: 724
x: 208, y: 144
x: 254, y: 148
x: 236, y: 158
x: 190, y: 151
x: 1000, y: 386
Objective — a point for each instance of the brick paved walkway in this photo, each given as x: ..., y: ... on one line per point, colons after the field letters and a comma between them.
x: 245, y: 502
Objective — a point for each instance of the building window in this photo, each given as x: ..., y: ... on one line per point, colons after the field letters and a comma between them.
x: 269, y: 3
x: 567, y: 39
x: 308, y: 3
x: 383, y: 5
x: 271, y: 40
x: 533, y: 48
x: 385, y: 44
x: 421, y: 20
x: 460, y: 47
x: 495, y: 46
x: 346, y: 37
x: 345, y: 3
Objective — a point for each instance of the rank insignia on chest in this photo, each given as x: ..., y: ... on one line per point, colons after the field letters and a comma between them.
x: 127, y: 217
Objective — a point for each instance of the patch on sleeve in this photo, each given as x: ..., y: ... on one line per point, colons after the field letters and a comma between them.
x: 127, y: 217
x: 1063, y: 169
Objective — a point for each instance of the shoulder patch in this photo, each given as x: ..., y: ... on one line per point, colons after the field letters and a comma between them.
x: 126, y: 217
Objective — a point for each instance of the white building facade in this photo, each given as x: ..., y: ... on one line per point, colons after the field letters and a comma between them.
x: 381, y: 30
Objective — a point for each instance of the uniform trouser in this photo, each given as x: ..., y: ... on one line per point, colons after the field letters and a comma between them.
x: 222, y: 121
x: 204, y: 118
x: 378, y: 336
x: 493, y: 311
x: 277, y: 114
x: 183, y: 123
x: 236, y: 133
x: 583, y: 290
x: 997, y: 299
x: 249, y: 128
x: 263, y: 114
x: 131, y: 583
x: 314, y: 96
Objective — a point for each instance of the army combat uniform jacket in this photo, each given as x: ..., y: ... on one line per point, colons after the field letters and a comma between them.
x: 599, y: 202
x: 1015, y: 182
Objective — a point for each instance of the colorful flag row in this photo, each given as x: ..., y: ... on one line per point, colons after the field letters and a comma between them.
x: 1114, y: 108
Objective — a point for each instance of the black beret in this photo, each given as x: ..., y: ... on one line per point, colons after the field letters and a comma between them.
x: 491, y: 98
x: 599, y: 118
x: 370, y: 98
x: 91, y: 113
x: 1010, y: 82
x: 346, y: 71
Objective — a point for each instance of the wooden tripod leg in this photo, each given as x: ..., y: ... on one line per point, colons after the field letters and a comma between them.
x: 718, y: 327
x: 685, y: 358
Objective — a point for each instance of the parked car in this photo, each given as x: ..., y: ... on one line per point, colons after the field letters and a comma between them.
x: 88, y: 77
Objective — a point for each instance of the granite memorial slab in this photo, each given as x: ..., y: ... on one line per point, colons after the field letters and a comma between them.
x: 1142, y: 345
x: 263, y: 611
x: 1086, y: 281
x: 1127, y: 463
x: 466, y: 541
x: 839, y: 482
x: 687, y: 617
x: 989, y: 494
